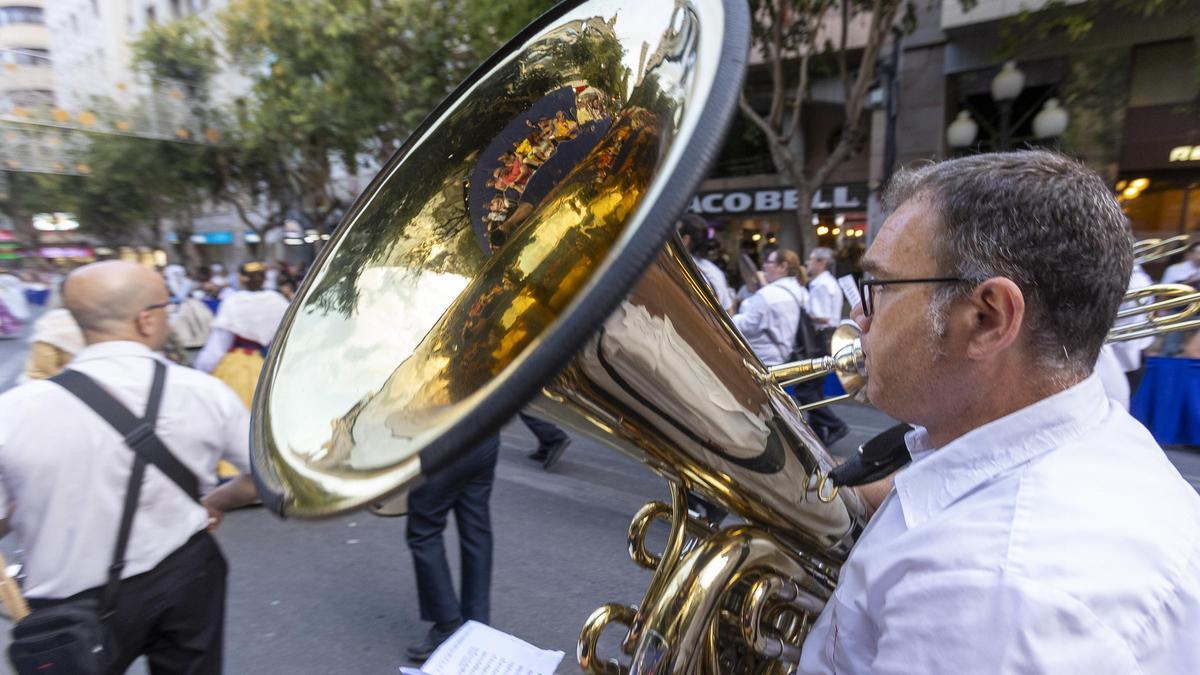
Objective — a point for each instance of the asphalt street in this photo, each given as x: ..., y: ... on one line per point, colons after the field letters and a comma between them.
x: 337, y: 596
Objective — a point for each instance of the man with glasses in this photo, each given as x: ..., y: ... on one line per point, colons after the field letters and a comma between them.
x: 64, y: 472
x: 1039, y: 528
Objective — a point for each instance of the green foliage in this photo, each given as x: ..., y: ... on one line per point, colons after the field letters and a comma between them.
x: 181, y: 50
x: 1058, y: 19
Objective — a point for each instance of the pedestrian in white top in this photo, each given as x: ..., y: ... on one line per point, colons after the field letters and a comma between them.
x: 824, y: 295
x: 1187, y: 271
x: 1039, y: 528
x: 768, y: 319
x: 64, y: 472
x: 693, y: 231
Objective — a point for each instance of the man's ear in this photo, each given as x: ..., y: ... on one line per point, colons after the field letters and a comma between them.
x: 997, y: 313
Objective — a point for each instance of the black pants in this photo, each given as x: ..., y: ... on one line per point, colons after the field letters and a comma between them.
x: 547, y: 433
x: 174, y: 614
x: 464, y: 487
x: 822, y: 420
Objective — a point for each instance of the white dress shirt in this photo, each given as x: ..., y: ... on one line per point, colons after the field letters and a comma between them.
x: 769, y: 318
x: 1181, y: 272
x: 716, y: 279
x: 1058, y: 539
x: 824, y: 300
x: 64, y: 470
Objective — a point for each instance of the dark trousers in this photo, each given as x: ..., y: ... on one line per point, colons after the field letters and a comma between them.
x: 547, y: 433
x: 822, y: 420
x: 174, y: 614
x: 465, y: 488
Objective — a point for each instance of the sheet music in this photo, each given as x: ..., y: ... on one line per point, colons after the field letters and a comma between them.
x: 476, y: 649
x: 850, y: 290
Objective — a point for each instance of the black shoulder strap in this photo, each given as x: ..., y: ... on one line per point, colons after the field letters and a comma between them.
x: 139, y: 433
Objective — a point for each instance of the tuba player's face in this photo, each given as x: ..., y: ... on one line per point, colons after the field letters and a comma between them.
x: 906, y: 361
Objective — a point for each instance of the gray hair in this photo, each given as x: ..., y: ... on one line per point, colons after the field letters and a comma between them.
x: 1042, y: 220
x: 822, y: 254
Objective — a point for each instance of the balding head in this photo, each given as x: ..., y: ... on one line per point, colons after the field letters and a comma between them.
x: 115, y: 300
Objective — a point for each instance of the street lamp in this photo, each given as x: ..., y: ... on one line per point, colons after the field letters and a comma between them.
x: 1007, y: 85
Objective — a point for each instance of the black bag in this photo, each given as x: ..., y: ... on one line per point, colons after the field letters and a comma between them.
x: 809, y: 343
x: 72, y: 637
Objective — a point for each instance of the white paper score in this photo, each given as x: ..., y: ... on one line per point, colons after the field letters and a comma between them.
x: 477, y: 649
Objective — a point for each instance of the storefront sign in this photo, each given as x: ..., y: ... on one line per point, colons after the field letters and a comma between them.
x: 773, y: 200
x: 224, y: 237
x: 1185, y: 153
x: 65, y: 252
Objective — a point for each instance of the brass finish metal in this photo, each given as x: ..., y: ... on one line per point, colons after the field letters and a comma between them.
x: 1165, y: 296
x: 427, y: 322
x: 1148, y: 250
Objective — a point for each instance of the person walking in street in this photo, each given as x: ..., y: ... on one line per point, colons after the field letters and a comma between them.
x: 825, y: 310
x: 464, y: 487
x: 65, y: 471
x: 693, y: 232
x: 1039, y: 528
x: 552, y: 441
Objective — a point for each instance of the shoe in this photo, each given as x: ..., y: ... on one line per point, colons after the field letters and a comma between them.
x: 537, y: 456
x: 836, y: 435
x: 433, y: 639
x: 554, y: 451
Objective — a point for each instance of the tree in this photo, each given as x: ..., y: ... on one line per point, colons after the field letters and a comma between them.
x: 792, y: 37
x: 340, y: 85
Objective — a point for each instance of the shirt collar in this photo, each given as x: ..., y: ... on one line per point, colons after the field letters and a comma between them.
x: 938, y: 477
x: 113, y: 348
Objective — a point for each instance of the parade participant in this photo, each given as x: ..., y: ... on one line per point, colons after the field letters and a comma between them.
x: 14, y: 309
x: 243, y: 328
x: 64, y: 472
x: 178, y: 282
x: 552, y: 441
x: 53, y: 342
x: 768, y: 319
x: 238, y: 337
x: 693, y: 231
x: 465, y: 487
x: 825, y: 310
x: 1039, y: 527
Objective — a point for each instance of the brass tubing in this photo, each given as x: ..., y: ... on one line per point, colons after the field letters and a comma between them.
x: 1148, y: 250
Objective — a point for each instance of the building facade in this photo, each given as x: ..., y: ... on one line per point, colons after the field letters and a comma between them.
x: 26, y: 78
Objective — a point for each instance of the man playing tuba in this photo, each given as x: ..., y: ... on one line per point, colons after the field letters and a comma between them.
x: 1039, y: 528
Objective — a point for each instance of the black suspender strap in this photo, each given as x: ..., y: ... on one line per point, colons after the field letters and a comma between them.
x: 147, y: 447
x: 139, y: 433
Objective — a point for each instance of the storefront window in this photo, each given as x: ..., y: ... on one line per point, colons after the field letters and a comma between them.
x: 1160, y: 207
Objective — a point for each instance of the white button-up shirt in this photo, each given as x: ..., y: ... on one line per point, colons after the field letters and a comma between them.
x: 64, y: 470
x: 716, y: 279
x: 825, y: 300
x: 1058, y: 539
x: 769, y: 319
x: 1181, y: 272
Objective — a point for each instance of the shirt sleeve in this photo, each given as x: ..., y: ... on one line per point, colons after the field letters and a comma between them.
x: 218, y: 343
x: 983, y: 622
x: 235, y: 442
x: 820, y: 304
x: 751, y: 318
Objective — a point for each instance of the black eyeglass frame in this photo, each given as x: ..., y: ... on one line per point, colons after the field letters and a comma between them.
x: 865, y: 286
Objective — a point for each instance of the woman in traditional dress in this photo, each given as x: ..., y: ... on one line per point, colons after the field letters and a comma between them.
x: 242, y: 330
x: 54, y: 341
x: 14, y: 309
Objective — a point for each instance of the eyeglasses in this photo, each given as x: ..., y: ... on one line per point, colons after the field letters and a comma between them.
x: 866, y: 288
x: 161, y: 305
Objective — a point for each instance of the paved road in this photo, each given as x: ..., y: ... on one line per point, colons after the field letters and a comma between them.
x: 337, y: 596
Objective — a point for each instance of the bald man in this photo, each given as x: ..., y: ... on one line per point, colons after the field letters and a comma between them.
x: 64, y: 471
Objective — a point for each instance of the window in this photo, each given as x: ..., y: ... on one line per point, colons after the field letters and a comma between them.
x: 150, y: 18
x: 12, y: 15
x: 1158, y: 78
x: 26, y: 56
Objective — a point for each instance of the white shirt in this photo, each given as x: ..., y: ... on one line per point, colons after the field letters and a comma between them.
x: 769, y: 318
x: 1112, y: 376
x: 1058, y: 539
x: 716, y: 279
x: 1129, y: 352
x: 1181, y: 272
x: 64, y: 470
x: 824, y: 300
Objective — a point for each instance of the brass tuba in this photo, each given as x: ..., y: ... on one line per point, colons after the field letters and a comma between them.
x: 511, y: 252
